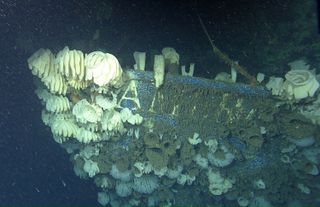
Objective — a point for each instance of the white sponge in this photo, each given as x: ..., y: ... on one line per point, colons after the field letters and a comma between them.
x: 300, y: 84
x: 57, y: 104
x: 91, y: 168
x: 86, y: 136
x: 63, y: 127
x: 171, y: 55
x: 102, y: 68
x: 86, y: 112
x: 41, y: 63
x: 71, y: 63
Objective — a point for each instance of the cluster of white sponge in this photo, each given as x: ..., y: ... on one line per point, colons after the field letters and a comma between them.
x: 73, y: 68
x: 70, y: 111
x: 299, y: 83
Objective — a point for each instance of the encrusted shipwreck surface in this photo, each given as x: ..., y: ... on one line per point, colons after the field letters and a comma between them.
x: 198, y: 142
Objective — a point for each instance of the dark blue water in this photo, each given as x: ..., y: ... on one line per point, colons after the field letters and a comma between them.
x: 35, y: 171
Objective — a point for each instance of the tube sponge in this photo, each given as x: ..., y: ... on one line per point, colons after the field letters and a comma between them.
x: 159, y: 67
x: 140, y: 60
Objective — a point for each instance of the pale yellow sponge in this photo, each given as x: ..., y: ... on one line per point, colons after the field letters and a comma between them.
x: 47, y: 117
x: 111, y: 121
x: 86, y: 112
x: 86, y: 136
x: 64, y: 127
x: 300, y: 84
x: 42, y: 64
x: 71, y: 63
x: 43, y: 94
x: 56, y: 83
x: 102, y: 68
x: 58, y: 104
x: 78, y: 84
x: 170, y: 55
